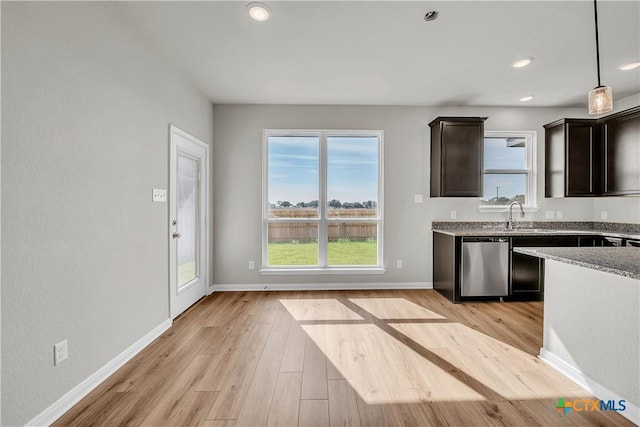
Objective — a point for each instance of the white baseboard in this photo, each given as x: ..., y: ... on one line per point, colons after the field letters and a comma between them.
x: 73, y: 396
x: 320, y: 286
x: 632, y: 412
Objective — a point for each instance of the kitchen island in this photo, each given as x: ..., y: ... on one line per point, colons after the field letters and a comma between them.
x: 592, y: 320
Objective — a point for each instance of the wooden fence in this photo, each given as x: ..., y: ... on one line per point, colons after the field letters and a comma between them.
x: 308, y: 231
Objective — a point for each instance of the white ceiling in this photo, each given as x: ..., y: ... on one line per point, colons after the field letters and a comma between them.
x: 384, y: 53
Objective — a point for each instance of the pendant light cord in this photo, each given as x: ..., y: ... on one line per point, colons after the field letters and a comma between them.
x: 595, y: 14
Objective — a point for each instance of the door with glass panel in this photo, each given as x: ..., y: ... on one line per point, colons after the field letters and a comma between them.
x: 187, y: 228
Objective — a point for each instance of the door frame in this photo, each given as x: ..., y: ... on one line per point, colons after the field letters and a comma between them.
x: 204, y: 185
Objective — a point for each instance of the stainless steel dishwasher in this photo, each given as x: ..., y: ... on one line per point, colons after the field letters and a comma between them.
x: 485, y: 267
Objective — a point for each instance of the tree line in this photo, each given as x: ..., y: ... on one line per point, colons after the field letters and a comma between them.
x: 333, y: 203
x: 503, y: 201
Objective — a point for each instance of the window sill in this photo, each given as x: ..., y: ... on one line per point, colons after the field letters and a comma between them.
x: 322, y: 271
x: 506, y: 209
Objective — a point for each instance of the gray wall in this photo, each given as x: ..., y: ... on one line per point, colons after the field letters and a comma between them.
x: 86, y: 107
x: 237, y: 181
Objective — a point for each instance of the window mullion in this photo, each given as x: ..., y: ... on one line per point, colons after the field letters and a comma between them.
x: 323, y: 233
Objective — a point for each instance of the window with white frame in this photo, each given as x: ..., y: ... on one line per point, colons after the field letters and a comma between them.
x: 509, y: 169
x: 322, y: 195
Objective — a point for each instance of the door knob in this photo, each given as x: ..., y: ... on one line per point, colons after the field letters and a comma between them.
x: 176, y: 235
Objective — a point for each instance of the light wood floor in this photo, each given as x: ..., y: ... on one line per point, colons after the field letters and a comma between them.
x: 344, y: 358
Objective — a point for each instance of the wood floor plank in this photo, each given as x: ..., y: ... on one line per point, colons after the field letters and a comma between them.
x: 286, y: 400
x: 314, y: 413
x: 369, y: 358
x: 254, y: 410
x: 219, y: 423
x: 343, y: 406
x: 174, y: 399
x: 333, y: 373
x: 190, y: 409
x: 238, y: 360
x: 293, y: 359
x: 373, y: 415
x: 314, y: 374
x: 236, y: 374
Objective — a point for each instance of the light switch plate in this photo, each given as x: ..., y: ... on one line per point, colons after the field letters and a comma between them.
x: 454, y: 214
x: 418, y: 198
x: 159, y: 195
x: 559, y: 214
x: 604, y: 215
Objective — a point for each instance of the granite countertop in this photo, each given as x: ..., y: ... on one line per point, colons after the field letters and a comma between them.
x: 623, y: 261
x: 488, y: 229
x: 482, y: 232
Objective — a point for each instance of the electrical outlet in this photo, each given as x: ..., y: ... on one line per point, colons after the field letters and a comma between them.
x: 399, y: 264
x: 549, y: 214
x: 159, y: 195
x: 604, y: 214
x: 418, y: 198
x: 454, y: 214
x: 252, y: 265
x: 60, y: 352
x: 559, y: 214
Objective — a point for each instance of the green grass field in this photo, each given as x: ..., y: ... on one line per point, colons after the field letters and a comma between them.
x: 340, y: 253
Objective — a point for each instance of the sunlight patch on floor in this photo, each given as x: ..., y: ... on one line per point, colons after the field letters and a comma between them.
x: 395, y: 308
x: 510, y: 372
x: 318, y: 310
x: 383, y: 370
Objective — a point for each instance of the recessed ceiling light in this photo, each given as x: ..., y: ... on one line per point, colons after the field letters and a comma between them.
x: 432, y: 15
x: 258, y: 11
x: 522, y: 62
x: 526, y: 98
x: 631, y: 66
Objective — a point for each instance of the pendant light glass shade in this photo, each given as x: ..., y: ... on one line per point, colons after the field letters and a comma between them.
x: 600, y: 100
x: 600, y: 97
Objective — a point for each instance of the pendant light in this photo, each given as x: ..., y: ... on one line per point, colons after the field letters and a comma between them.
x: 600, y: 97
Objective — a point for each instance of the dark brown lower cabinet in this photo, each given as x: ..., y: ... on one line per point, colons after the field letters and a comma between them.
x: 527, y: 277
x: 445, y: 262
x: 527, y: 272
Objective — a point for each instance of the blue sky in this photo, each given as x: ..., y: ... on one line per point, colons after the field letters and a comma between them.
x: 352, y: 168
x: 497, y: 155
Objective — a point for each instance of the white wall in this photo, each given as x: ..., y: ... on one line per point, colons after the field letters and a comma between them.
x: 237, y: 175
x: 599, y: 351
x: 86, y: 108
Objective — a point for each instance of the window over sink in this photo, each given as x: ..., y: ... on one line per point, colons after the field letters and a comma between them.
x: 509, y: 170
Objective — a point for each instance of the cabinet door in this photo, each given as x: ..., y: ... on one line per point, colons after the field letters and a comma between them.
x: 462, y: 159
x: 554, y: 161
x: 526, y: 274
x: 581, y: 175
x: 572, y: 162
x: 444, y: 265
x: 621, y: 154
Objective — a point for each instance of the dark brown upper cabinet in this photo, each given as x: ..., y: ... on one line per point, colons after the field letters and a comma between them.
x: 457, y: 147
x: 593, y: 157
x: 621, y: 154
x: 572, y: 148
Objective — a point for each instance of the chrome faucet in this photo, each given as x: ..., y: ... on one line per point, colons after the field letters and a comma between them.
x: 510, y: 221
